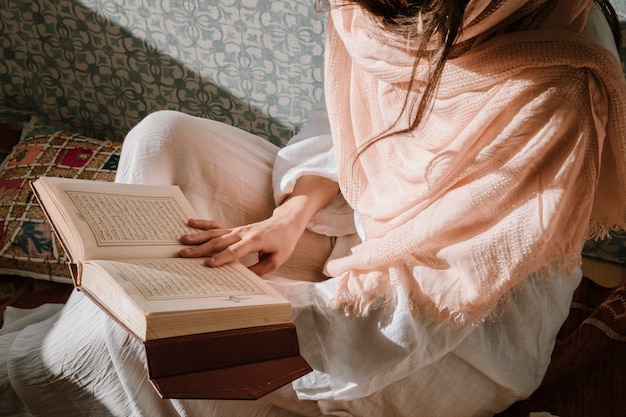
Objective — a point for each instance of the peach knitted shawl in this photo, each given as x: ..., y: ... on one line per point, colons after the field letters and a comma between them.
x: 520, y: 159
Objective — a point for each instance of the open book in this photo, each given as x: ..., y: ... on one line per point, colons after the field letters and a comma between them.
x: 220, y: 333
x: 124, y: 239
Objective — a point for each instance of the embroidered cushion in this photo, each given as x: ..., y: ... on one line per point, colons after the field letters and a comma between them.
x: 27, y: 245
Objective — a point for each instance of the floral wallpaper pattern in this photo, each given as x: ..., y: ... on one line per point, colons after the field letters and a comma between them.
x: 102, y: 65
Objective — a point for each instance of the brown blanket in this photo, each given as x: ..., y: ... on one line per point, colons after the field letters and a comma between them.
x: 587, y: 376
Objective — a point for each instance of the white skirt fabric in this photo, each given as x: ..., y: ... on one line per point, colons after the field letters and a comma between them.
x: 75, y: 361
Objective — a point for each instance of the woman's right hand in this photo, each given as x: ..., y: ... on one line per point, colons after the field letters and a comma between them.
x: 273, y: 239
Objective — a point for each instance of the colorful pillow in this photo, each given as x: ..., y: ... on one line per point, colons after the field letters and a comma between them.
x: 27, y: 245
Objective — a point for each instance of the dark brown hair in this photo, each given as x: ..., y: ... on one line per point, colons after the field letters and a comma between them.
x: 423, y: 20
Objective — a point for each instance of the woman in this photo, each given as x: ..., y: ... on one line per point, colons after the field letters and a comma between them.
x: 467, y: 150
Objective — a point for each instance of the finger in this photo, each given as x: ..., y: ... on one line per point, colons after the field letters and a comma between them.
x: 267, y: 263
x: 235, y: 250
x: 210, y: 247
x: 204, y: 224
x: 203, y: 236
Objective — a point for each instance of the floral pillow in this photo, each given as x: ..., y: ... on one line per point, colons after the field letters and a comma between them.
x: 27, y: 244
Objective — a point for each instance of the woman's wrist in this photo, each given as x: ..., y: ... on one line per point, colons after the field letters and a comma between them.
x: 310, y: 195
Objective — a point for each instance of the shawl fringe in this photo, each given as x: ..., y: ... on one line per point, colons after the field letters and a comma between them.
x: 601, y: 230
x: 349, y: 296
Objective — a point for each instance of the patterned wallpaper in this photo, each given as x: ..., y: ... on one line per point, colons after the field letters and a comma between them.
x: 102, y: 65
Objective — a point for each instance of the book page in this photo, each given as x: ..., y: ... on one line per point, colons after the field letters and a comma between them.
x: 103, y: 220
x: 176, y: 284
x: 179, y: 278
x: 118, y: 219
x: 156, y: 298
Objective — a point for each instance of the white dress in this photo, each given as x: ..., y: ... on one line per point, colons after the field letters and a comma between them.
x: 80, y: 363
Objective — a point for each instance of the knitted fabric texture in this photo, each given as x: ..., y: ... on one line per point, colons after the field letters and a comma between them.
x: 519, y: 160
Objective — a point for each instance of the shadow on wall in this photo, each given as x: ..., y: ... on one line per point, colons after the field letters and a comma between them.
x: 102, y: 65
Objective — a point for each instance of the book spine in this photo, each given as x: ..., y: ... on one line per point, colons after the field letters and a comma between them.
x: 209, y: 351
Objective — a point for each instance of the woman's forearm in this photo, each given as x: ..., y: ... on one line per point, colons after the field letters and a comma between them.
x: 310, y: 194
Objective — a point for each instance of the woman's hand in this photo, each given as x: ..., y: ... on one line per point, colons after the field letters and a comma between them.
x: 273, y: 239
